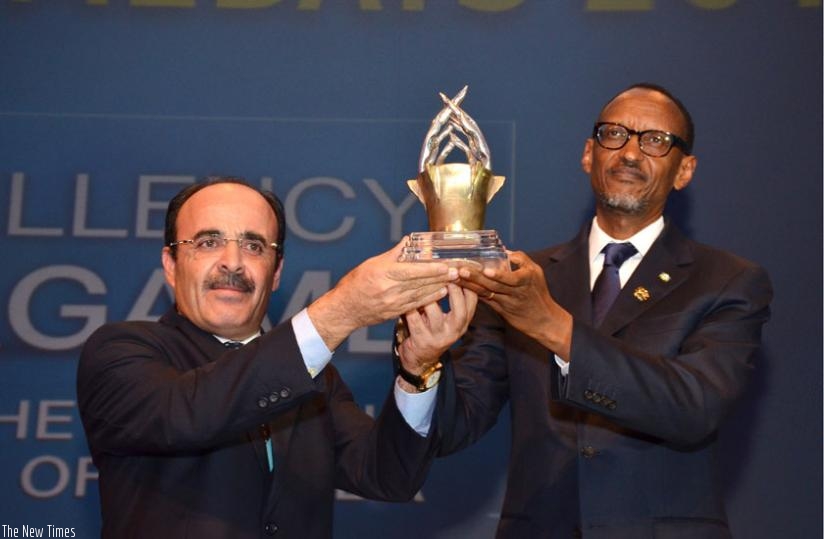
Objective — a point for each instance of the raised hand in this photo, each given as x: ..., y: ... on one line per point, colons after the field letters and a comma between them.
x: 379, y: 289
x: 522, y: 298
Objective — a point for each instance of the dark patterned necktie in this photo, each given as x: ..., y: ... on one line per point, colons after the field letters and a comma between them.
x: 232, y: 345
x: 608, y: 284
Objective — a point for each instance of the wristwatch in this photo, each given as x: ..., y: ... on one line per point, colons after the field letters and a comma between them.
x: 423, y: 381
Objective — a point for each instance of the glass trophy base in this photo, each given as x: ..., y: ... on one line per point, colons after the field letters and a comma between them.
x: 478, y: 248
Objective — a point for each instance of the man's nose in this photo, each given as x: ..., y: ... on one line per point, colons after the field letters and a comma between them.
x: 231, y: 256
x: 631, y: 151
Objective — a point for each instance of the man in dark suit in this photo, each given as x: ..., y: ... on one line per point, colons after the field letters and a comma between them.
x: 202, y: 427
x: 614, y: 413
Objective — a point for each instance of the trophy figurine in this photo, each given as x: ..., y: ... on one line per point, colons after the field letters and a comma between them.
x: 455, y: 195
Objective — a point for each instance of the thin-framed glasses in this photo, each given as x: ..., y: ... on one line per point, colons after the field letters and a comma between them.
x: 652, y: 142
x: 213, y: 243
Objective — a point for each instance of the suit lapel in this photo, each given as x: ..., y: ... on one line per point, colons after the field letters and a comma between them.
x: 570, y: 265
x: 280, y: 427
x: 207, y: 347
x: 663, y: 269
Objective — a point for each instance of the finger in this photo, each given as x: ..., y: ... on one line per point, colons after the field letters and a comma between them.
x: 471, y: 303
x: 501, y: 280
x: 466, y: 307
x: 432, y: 315
x: 480, y: 281
x: 422, y: 273
x: 457, y: 302
x: 498, y: 273
x: 470, y: 273
x: 422, y: 297
x: 408, y: 292
x: 478, y: 290
x: 463, y: 309
x: 518, y: 260
x: 475, y: 288
x: 414, y: 322
x: 398, y: 301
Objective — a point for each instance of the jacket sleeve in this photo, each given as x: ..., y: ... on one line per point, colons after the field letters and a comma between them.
x: 474, y: 385
x: 379, y: 459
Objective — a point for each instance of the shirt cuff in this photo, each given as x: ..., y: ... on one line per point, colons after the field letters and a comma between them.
x: 416, y: 408
x: 564, y: 365
x: 314, y: 351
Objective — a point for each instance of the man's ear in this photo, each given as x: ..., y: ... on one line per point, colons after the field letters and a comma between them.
x: 276, y: 277
x: 586, y: 157
x: 169, y: 265
x: 686, y: 168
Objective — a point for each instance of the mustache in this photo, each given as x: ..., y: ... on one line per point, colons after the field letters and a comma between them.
x: 629, y: 167
x: 226, y: 279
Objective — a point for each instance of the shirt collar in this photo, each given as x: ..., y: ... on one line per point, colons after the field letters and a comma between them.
x: 244, y: 341
x: 642, y: 240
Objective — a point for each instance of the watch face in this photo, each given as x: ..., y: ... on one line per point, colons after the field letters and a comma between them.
x: 432, y: 379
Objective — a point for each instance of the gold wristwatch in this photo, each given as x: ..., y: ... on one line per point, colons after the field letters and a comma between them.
x: 425, y: 380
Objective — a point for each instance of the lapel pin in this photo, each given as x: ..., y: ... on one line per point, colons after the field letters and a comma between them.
x: 664, y: 277
x: 641, y: 294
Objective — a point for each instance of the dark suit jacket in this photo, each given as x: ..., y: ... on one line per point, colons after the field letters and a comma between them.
x: 174, y: 423
x: 625, y: 446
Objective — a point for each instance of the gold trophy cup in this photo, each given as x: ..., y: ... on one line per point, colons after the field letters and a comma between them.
x: 455, y: 195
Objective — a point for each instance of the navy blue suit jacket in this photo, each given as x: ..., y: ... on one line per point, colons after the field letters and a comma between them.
x: 625, y: 445
x: 174, y: 420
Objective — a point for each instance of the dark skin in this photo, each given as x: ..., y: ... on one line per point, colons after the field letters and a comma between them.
x: 631, y: 191
x: 641, y: 183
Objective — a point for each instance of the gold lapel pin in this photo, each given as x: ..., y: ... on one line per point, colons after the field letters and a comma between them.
x: 641, y: 294
x: 664, y: 277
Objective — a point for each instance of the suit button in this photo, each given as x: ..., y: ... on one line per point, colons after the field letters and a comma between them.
x: 263, y: 402
x: 612, y: 405
x: 285, y: 393
x: 270, y: 528
x: 597, y: 397
x: 274, y: 397
x: 588, y: 451
x: 588, y: 394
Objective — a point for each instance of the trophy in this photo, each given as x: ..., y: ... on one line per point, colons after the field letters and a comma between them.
x: 455, y: 195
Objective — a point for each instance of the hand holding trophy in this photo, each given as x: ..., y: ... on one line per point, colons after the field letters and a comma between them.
x: 455, y: 195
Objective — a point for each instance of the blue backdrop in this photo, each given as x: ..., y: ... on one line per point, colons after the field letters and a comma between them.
x: 107, y: 108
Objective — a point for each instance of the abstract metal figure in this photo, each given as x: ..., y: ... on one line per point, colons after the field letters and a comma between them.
x: 455, y: 194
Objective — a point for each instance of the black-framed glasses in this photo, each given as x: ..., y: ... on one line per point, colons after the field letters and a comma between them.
x: 652, y: 142
x: 214, y: 243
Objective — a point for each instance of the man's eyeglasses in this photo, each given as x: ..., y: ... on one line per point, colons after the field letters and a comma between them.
x: 652, y: 142
x: 213, y: 243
